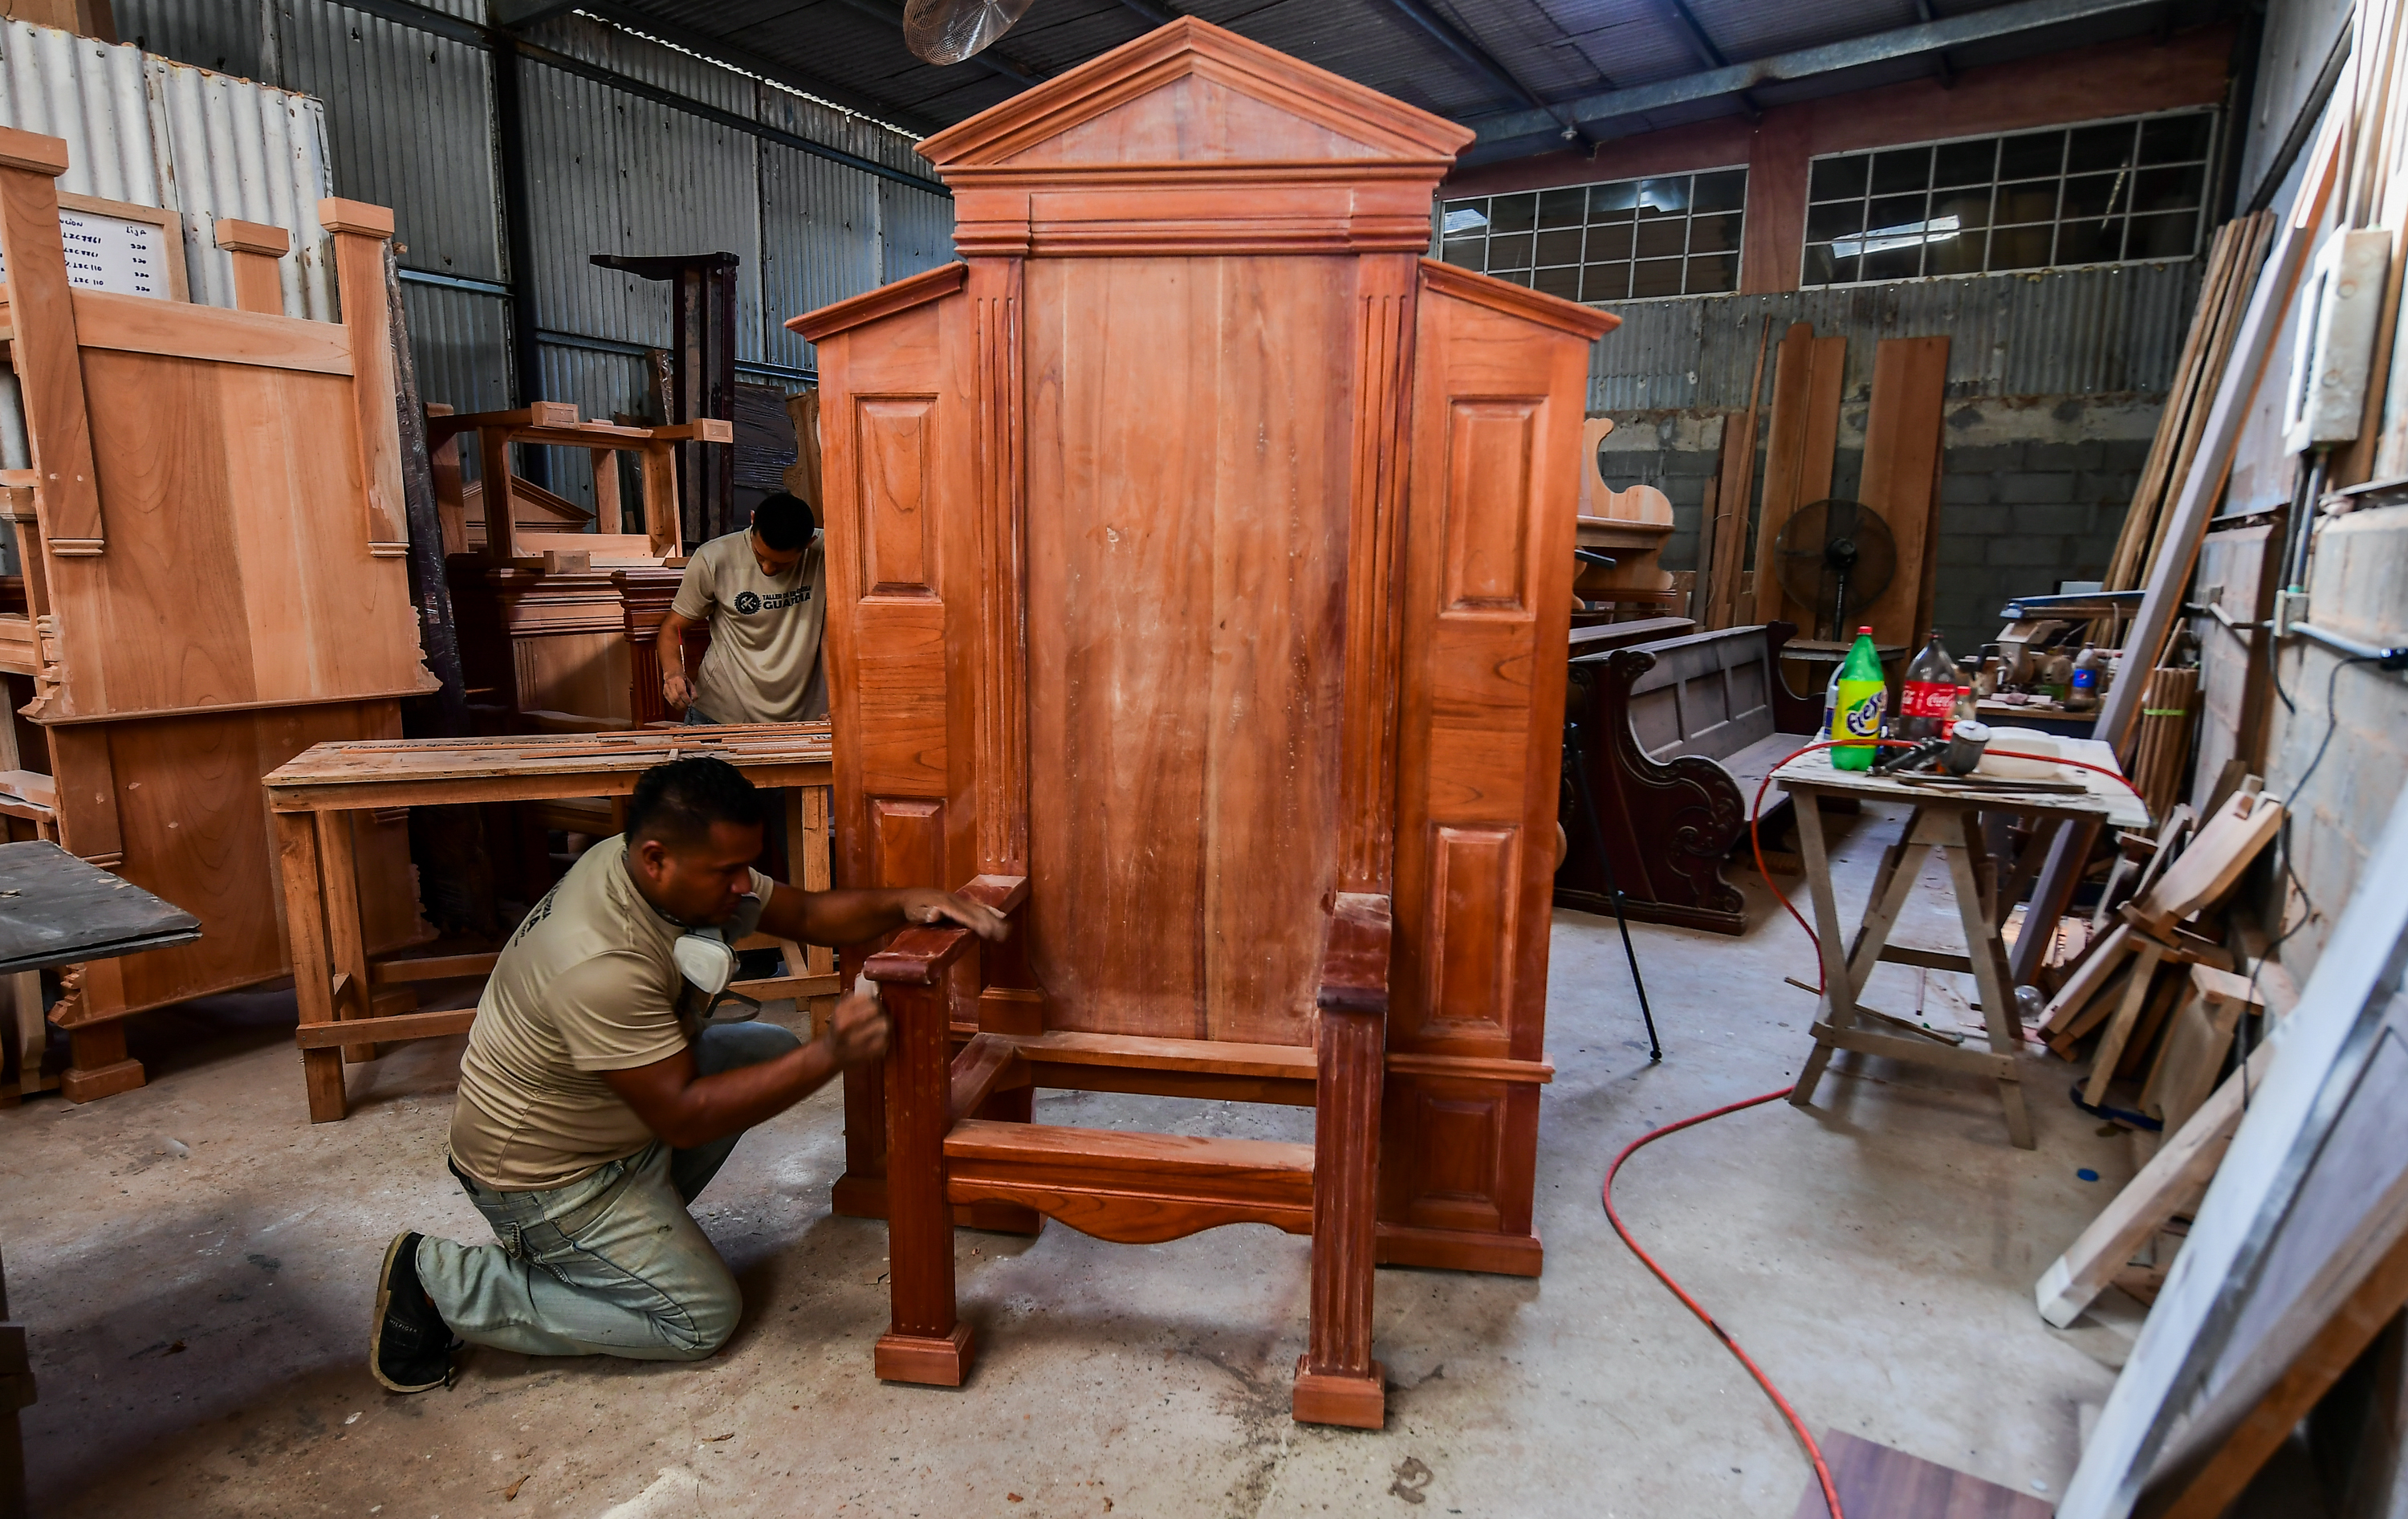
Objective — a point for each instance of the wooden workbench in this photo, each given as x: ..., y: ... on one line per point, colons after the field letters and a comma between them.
x: 316, y: 797
x: 1945, y: 821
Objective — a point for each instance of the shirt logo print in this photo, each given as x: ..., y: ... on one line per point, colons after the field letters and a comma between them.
x: 747, y: 603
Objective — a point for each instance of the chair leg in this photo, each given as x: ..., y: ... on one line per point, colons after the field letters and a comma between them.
x: 925, y: 1341
x: 1337, y: 1382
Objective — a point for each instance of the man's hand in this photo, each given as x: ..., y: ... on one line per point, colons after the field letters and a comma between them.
x: 856, y: 1031
x: 854, y: 916
x: 921, y: 904
x: 677, y: 690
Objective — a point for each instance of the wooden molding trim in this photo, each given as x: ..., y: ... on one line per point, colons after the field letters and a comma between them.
x: 356, y: 217
x: 33, y: 152
x: 141, y: 324
x: 1470, y: 1067
x: 1184, y: 47
x: 902, y: 296
x: 252, y: 237
x: 1515, y: 300
x: 1355, y: 964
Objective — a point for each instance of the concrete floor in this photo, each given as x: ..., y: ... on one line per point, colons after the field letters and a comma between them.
x: 193, y: 1263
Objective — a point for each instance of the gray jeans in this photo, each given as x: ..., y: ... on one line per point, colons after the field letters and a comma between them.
x: 612, y: 1264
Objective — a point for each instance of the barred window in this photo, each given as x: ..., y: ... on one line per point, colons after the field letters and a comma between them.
x: 1670, y: 235
x: 2111, y: 192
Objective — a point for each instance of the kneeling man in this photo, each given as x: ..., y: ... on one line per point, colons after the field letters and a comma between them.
x: 593, y: 1104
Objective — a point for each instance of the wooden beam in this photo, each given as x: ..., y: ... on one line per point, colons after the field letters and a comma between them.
x: 43, y: 315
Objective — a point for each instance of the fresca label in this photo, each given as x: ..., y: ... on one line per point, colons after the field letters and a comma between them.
x: 1860, y: 712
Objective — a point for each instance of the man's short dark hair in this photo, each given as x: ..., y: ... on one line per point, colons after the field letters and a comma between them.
x: 678, y: 802
x: 784, y: 522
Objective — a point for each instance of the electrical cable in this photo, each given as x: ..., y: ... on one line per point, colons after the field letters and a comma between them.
x: 1797, y: 1426
x: 2283, y: 842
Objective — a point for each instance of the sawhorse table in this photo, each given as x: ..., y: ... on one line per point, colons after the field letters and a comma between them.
x: 1947, y: 820
x: 314, y: 795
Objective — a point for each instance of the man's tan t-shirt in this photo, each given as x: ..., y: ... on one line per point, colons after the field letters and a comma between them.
x: 588, y: 984
x: 763, y: 664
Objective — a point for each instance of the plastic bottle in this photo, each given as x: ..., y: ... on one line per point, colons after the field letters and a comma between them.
x: 2084, y: 693
x: 1856, y: 712
x: 2055, y: 677
x: 1967, y: 708
x: 1929, y: 694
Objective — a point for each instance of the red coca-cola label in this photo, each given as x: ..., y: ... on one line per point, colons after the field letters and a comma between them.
x: 1927, y: 698
x: 1934, y: 700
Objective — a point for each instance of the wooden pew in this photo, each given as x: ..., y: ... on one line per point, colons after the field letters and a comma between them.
x: 1674, y: 736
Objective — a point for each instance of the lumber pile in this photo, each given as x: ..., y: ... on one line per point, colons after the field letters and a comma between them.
x: 2154, y: 996
x: 2162, y: 740
x: 2232, y: 266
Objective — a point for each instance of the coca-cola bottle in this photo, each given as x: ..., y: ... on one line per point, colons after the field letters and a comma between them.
x: 1930, y: 695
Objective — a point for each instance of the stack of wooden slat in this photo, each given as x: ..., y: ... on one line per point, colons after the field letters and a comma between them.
x: 2232, y: 267
x: 2157, y: 988
x: 2162, y: 737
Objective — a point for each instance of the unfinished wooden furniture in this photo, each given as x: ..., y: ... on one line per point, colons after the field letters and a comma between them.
x: 213, y: 541
x: 558, y: 612
x: 321, y: 797
x: 1946, y: 820
x: 1675, y: 735
x: 1194, y: 549
x: 555, y: 424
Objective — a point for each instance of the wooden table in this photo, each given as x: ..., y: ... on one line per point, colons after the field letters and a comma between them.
x: 317, y: 795
x: 1945, y: 821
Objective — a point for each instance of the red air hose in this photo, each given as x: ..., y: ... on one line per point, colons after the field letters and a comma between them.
x: 1797, y: 1426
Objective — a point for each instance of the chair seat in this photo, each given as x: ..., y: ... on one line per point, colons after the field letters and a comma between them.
x: 1131, y: 1187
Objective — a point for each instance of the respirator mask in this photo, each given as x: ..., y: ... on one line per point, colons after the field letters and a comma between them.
x: 706, y: 961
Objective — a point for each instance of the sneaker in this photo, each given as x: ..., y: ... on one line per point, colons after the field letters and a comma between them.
x: 410, y: 1350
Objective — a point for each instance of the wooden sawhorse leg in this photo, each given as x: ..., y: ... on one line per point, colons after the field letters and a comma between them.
x: 1842, y: 1024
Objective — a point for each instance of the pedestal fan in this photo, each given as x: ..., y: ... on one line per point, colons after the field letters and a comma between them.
x: 1835, y: 558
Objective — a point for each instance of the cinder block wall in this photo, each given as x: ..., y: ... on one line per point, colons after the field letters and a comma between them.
x: 2033, y: 490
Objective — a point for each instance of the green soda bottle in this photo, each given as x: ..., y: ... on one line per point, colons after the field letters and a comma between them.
x: 1856, y: 719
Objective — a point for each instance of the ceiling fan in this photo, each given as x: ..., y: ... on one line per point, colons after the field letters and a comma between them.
x: 949, y: 31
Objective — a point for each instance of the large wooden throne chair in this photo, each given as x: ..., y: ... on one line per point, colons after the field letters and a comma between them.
x: 1199, y: 569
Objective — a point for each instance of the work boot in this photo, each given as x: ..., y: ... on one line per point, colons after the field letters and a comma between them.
x: 410, y: 1350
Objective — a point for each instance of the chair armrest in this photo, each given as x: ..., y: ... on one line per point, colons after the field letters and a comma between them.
x: 1005, y: 893
x: 1354, y: 967
x: 918, y: 956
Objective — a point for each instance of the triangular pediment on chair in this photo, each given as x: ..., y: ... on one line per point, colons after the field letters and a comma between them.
x: 1192, y: 94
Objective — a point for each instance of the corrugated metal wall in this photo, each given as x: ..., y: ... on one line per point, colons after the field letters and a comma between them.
x: 158, y: 132
x: 409, y: 120
x: 2078, y: 332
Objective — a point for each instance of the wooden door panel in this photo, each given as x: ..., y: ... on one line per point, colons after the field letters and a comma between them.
x: 897, y: 471
x: 1487, y: 584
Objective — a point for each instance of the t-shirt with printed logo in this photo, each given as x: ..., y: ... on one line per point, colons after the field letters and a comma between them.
x: 589, y: 983
x: 764, y: 664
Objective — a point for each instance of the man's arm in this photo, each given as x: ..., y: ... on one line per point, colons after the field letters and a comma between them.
x: 686, y: 1109
x: 670, y: 646
x: 848, y: 917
